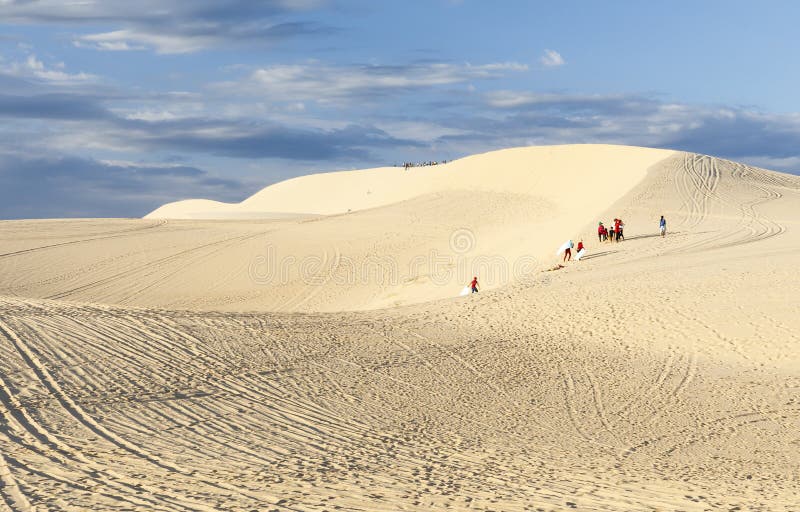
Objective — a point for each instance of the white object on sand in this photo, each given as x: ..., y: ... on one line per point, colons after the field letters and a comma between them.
x: 580, y: 254
x: 566, y: 245
x: 465, y: 291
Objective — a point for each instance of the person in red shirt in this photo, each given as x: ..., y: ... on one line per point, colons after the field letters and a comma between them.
x: 601, y: 231
x: 580, y: 246
x: 617, y: 222
x: 474, y: 284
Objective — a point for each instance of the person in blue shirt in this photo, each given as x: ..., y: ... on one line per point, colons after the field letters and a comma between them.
x: 662, y: 226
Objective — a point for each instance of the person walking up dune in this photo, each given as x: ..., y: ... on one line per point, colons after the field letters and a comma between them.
x: 474, y: 284
x: 601, y: 230
x: 568, y: 251
x: 662, y: 226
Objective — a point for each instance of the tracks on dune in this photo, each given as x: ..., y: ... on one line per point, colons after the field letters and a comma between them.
x: 26, y: 431
x: 138, y: 353
x: 70, y: 406
x: 216, y: 407
x: 10, y: 493
x: 294, y: 408
x: 117, y: 487
x: 111, y: 234
x: 698, y: 180
x: 155, y: 267
x: 316, y: 282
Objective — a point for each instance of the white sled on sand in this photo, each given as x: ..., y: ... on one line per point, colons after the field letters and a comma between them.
x: 465, y: 291
x: 580, y: 254
x: 564, y: 247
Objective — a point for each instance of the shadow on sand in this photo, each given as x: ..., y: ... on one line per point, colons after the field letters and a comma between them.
x: 638, y: 237
x: 630, y: 238
x: 597, y: 255
x: 654, y: 235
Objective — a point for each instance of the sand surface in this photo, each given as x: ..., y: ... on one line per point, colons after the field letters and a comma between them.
x: 300, y: 357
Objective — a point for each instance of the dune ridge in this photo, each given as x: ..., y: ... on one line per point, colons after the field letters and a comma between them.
x: 537, y: 171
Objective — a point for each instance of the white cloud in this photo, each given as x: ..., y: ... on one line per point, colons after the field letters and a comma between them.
x: 151, y: 115
x: 331, y: 83
x: 552, y: 59
x: 132, y: 40
x: 88, y: 11
x: 34, y: 68
x: 169, y: 26
x: 514, y: 99
x: 511, y: 99
x: 427, y: 132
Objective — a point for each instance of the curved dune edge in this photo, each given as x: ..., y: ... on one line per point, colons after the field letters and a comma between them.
x: 555, y: 172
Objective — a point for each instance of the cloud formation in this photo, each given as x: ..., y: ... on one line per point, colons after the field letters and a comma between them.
x: 191, y: 39
x: 359, y: 82
x: 67, y: 107
x: 32, y: 68
x: 46, y: 187
x: 515, y: 118
x: 552, y: 59
x: 169, y: 26
x: 244, y: 139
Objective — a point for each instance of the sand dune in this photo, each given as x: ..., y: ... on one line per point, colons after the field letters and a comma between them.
x: 552, y: 173
x: 166, y: 364
x: 409, y: 237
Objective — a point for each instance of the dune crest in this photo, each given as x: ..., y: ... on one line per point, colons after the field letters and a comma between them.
x: 553, y: 172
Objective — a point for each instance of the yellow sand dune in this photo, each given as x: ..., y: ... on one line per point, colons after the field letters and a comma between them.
x: 561, y: 175
x: 307, y: 349
x: 421, y: 234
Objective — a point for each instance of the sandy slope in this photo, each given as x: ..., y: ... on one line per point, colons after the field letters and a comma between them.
x: 559, y: 175
x: 411, y: 236
x: 658, y: 374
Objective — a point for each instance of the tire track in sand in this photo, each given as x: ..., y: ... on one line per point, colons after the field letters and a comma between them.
x: 697, y: 181
x: 114, y: 234
x: 12, y: 495
x: 25, y: 431
x: 77, y: 412
x: 155, y: 265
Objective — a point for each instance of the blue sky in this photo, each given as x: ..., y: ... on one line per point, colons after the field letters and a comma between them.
x: 111, y: 108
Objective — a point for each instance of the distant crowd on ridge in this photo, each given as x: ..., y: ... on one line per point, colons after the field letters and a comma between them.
x: 407, y: 165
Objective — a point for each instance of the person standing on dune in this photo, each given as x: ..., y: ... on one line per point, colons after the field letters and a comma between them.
x: 662, y: 226
x: 600, y: 232
x: 474, y: 284
x: 568, y: 251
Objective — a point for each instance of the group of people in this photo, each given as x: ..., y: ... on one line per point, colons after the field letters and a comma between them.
x: 407, y: 165
x: 568, y: 250
x: 614, y: 234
